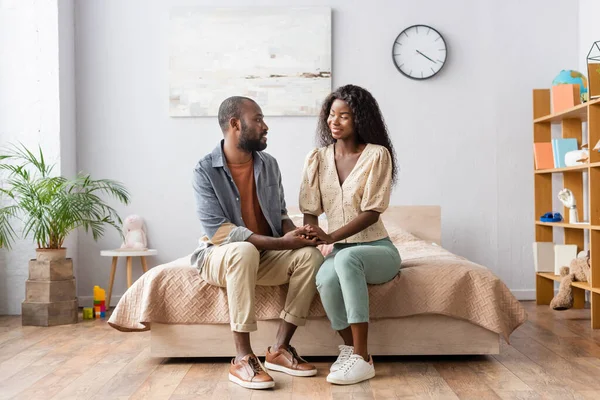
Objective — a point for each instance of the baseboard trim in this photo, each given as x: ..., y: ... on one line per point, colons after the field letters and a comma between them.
x: 88, y: 301
x: 529, y: 294
x: 524, y: 294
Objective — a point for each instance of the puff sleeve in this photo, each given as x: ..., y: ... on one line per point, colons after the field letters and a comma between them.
x: 378, y: 186
x: 310, y: 201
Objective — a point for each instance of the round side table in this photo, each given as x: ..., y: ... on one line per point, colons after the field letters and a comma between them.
x: 115, y: 254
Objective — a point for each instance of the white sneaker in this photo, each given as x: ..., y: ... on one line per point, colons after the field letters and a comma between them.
x: 354, y: 370
x: 345, y: 353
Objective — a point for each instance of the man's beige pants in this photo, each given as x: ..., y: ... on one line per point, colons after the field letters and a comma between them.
x: 240, y: 267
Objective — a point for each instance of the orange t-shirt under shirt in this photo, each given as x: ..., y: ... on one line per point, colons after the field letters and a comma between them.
x: 243, y: 176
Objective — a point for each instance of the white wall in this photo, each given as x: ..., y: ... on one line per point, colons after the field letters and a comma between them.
x: 29, y: 110
x: 68, y: 128
x: 589, y: 30
x: 463, y: 139
x: 66, y: 53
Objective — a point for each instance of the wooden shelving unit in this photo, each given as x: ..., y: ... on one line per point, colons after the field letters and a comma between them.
x: 565, y: 225
x: 583, y: 167
x: 571, y: 125
x: 580, y: 285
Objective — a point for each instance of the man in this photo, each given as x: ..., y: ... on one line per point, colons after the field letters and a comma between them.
x: 251, y: 241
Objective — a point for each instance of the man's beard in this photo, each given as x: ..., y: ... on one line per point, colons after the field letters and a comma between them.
x: 248, y: 144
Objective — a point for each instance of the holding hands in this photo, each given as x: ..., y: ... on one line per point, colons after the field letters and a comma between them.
x: 325, y: 241
x: 308, y: 235
x: 313, y: 231
x: 316, y: 237
x: 298, y: 238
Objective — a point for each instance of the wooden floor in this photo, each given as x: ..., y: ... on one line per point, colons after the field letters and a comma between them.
x: 555, y: 355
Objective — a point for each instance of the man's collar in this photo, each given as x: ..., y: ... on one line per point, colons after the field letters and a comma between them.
x: 217, y: 155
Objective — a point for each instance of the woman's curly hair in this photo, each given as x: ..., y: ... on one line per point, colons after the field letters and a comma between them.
x: 369, y: 125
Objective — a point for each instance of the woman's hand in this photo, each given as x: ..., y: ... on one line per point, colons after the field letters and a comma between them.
x: 297, y: 239
x: 315, y: 231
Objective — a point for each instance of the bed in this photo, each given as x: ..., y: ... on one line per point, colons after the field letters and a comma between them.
x: 439, y: 304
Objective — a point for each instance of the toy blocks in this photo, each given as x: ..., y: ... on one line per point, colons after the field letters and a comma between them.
x: 99, y: 309
x: 88, y: 313
x: 99, y: 302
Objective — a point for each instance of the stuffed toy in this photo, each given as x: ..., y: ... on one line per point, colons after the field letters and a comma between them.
x: 133, y: 230
x: 578, y: 271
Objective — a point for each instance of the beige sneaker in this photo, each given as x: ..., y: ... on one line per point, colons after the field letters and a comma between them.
x: 289, y: 362
x: 249, y: 373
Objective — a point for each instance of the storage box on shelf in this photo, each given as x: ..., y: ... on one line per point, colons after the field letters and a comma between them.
x: 571, y: 126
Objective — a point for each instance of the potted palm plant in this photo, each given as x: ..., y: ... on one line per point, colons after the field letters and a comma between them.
x: 49, y: 208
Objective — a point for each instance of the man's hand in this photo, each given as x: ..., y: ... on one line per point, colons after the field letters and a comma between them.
x: 298, y: 238
x: 292, y: 240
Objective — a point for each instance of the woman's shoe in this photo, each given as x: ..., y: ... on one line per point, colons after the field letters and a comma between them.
x: 345, y: 353
x: 354, y: 370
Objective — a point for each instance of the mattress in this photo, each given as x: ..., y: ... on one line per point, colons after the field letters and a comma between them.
x: 432, y: 280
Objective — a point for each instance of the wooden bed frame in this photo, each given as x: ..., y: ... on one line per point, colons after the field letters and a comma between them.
x: 430, y: 334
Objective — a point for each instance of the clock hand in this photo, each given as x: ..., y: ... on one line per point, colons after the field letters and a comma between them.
x: 425, y: 56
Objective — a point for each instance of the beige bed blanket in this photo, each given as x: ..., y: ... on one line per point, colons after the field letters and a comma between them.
x: 432, y: 281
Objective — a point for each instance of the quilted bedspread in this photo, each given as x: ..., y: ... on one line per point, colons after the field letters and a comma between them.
x: 432, y: 281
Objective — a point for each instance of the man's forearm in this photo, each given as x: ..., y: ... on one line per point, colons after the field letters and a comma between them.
x: 266, y: 242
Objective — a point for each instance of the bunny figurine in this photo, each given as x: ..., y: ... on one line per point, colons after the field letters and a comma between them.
x: 133, y: 230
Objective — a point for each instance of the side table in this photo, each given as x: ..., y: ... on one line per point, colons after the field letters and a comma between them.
x: 129, y: 253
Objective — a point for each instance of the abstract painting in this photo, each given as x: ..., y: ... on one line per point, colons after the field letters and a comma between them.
x: 280, y: 57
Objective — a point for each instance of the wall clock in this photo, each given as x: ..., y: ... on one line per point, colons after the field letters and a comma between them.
x: 419, y: 52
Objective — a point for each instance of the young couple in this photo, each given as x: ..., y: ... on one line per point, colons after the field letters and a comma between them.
x: 250, y: 240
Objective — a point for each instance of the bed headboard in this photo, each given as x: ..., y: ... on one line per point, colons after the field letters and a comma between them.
x: 425, y: 222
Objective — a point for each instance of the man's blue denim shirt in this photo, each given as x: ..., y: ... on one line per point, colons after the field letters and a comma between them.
x: 218, y: 200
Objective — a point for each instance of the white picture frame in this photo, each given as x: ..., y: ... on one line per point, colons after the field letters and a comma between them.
x: 278, y: 56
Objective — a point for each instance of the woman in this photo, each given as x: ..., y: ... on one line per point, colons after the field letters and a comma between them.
x: 350, y: 178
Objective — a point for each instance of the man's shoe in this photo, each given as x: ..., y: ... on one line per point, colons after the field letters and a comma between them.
x: 345, y: 353
x: 289, y: 362
x: 354, y: 370
x: 249, y: 373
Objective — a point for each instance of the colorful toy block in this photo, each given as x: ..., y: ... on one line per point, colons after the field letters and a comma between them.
x: 99, y: 302
x: 88, y: 313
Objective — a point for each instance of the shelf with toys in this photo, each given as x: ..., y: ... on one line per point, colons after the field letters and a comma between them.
x: 578, y: 112
x: 558, y: 278
x: 579, y: 125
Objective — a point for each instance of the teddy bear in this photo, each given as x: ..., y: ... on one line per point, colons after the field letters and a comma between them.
x: 578, y: 271
x: 135, y: 236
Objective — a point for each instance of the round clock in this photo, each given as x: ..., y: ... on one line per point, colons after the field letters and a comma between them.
x: 419, y: 52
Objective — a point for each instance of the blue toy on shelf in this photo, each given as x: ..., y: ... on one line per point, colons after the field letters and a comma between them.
x: 549, y: 217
